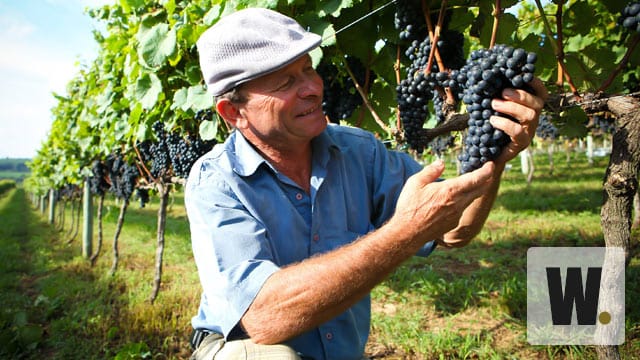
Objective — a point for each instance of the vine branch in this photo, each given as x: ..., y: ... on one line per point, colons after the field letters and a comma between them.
x: 497, y: 12
x: 365, y: 100
x: 557, y: 46
x: 434, y: 35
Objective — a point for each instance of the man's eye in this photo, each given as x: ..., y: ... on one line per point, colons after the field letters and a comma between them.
x: 285, y: 84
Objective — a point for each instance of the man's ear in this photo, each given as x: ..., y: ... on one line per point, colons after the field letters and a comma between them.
x: 229, y: 112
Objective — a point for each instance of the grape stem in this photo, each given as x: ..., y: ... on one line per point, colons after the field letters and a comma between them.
x: 557, y: 49
x: 365, y: 100
x: 433, y: 37
x: 367, y: 84
x: 497, y: 12
x: 396, y: 68
x: 141, y: 162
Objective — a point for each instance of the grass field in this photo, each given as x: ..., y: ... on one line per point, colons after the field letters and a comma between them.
x: 467, y: 303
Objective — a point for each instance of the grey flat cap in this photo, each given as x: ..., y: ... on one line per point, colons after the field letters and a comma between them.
x: 248, y: 44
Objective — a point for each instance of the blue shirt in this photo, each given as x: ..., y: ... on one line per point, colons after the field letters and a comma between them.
x: 247, y: 220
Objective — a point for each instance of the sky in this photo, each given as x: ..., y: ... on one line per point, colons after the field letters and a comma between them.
x: 42, y: 45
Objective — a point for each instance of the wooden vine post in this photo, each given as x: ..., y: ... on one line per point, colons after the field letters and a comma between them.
x: 87, y: 224
x: 52, y: 206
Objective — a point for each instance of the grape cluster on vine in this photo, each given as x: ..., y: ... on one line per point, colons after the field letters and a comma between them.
x: 546, y: 130
x: 172, y: 153
x: 630, y: 17
x: 408, y: 19
x: 122, y: 175
x: 98, y: 181
x: 484, y: 76
x: 419, y: 88
x: 340, y: 97
x: 602, y: 124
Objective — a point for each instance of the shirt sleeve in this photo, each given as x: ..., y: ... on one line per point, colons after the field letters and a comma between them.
x: 230, y: 248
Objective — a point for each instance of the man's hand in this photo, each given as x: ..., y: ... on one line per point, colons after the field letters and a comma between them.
x: 524, y: 107
x: 429, y: 208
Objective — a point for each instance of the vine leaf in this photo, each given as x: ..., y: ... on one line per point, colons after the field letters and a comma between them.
x: 508, y: 27
x: 212, y: 15
x: 208, y: 129
x: 194, y: 98
x: 131, y: 5
x: 571, y: 123
x: 156, y: 45
x: 147, y: 90
x: 333, y: 7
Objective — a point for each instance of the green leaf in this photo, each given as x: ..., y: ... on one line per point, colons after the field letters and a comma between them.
x: 193, y: 73
x: 507, y: 28
x: 333, y: 7
x: 577, y: 43
x: 583, y: 11
x: 269, y: 4
x: 131, y: 5
x: 212, y: 15
x: 156, y: 45
x: 199, y: 99
x: 147, y: 90
x: 193, y: 98
x: 208, y: 129
x: 571, y: 123
x: 180, y: 99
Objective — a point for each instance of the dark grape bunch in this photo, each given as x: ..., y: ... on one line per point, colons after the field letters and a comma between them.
x: 413, y: 95
x: 416, y: 91
x: 122, y: 175
x: 159, y: 153
x: 340, y: 97
x: 440, y: 144
x: 630, y: 17
x: 408, y: 19
x: 98, y: 183
x: 546, y: 130
x: 143, y: 196
x: 602, y: 124
x: 171, y: 153
x: 484, y: 76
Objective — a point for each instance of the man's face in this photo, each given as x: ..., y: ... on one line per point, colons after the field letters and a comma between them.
x: 284, y: 108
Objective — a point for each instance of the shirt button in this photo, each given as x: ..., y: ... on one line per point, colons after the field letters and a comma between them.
x: 329, y: 336
x: 316, y: 237
x: 299, y: 196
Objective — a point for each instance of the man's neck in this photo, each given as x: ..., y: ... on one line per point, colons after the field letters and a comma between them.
x: 292, y: 161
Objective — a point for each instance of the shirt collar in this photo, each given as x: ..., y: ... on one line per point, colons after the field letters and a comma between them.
x: 246, y: 159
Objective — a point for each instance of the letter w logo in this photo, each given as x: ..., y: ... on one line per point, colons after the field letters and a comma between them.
x: 586, y: 300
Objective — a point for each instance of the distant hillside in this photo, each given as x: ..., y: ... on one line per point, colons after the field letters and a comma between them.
x: 15, y: 169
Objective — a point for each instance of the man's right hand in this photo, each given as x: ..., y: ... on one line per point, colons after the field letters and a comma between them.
x: 430, y: 208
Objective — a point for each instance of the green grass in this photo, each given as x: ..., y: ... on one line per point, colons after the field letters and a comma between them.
x: 455, y: 304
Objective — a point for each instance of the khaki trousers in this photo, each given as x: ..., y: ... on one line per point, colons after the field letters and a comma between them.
x: 213, y: 347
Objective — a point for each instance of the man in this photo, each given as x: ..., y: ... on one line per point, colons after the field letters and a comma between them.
x: 294, y: 221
